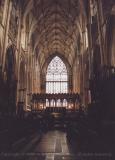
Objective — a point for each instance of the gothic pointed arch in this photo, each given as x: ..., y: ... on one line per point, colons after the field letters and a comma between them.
x: 10, y: 63
x: 11, y: 82
x: 62, y: 61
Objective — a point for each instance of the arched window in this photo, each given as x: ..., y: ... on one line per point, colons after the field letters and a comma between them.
x: 58, y: 104
x: 64, y: 103
x: 52, y: 103
x: 56, y: 77
x: 47, y: 103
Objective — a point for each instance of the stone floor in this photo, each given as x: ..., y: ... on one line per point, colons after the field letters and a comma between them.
x: 53, y: 145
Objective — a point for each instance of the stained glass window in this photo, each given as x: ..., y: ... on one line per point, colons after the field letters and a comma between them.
x: 56, y: 77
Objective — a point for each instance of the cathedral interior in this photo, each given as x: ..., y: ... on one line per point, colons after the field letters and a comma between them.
x: 57, y: 79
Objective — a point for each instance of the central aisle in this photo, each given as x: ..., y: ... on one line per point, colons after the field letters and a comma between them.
x: 50, y: 145
x: 53, y: 142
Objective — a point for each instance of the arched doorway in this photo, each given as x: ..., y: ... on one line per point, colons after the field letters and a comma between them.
x: 52, y: 103
x: 58, y: 103
x: 56, y: 76
x: 11, y: 83
x: 65, y: 103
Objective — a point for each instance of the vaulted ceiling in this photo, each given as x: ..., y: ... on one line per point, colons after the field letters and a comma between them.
x: 56, y: 27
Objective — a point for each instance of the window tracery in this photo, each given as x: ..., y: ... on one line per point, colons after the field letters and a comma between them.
x: 56, y: 77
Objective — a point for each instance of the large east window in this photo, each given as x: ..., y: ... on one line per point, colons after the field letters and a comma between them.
x: 56, y: 77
